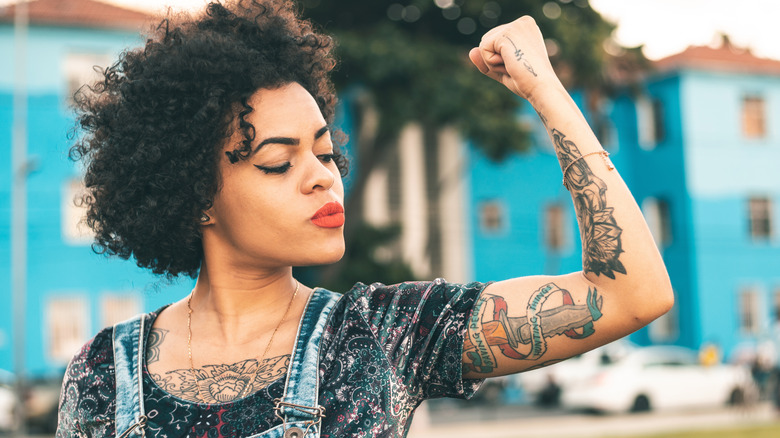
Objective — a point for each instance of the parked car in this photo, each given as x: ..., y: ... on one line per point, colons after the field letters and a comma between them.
x: 8, y: 402
x: 659, y: 378
x: 41, y: 403
x: 545, y: 385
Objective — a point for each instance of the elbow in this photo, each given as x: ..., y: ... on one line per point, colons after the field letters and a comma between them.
x: 658, y: 300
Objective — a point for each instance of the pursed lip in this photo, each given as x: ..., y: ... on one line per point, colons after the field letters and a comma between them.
x: 330, y: 215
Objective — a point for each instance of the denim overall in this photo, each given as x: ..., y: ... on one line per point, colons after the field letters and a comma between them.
x: 298, y: 408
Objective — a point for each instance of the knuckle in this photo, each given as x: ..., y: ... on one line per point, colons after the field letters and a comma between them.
x: 527, y: 19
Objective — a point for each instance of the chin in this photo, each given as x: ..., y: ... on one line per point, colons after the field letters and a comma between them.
x: 324, y: 257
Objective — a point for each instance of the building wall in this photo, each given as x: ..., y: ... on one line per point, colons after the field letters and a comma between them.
x: 519, y: 188
x: 655, y: 170
x: 59, y: 271
x: 725, y: 169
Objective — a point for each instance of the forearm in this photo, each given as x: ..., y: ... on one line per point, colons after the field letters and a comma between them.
x: 618, y: 251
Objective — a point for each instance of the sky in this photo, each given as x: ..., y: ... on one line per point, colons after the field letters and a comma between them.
x: 664, y: 27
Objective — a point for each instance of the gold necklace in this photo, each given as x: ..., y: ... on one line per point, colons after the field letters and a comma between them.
x: 267, y: 347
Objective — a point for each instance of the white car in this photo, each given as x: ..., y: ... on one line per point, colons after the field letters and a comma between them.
x: 659, y: 378
x: 543, y: 385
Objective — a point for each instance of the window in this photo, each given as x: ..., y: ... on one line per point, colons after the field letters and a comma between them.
x: 760, y: 217
x: 776, y: 305
x: 116, y: 308
x: 666, y: 327
x: 749, y: 311
x: 68, y: 326
x: 659, y: 220
x: 74, y: 230
x: 554, y: 226
x: 753, y: 117
x: 492, y: 217
x: 650, y: 122
x: 83, y: 68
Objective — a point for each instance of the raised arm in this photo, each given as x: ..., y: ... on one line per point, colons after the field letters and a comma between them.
x: 529, y: 322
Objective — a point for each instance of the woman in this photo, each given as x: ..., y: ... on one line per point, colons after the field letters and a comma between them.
x: 209, y: 153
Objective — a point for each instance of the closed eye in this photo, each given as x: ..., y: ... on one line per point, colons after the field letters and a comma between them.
x: 326, y: 158
x: 277, y: 170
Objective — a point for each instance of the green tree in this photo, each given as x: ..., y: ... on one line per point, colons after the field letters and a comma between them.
x: 410, y: 59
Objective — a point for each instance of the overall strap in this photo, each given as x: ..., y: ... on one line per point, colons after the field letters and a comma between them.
x: 130, y: 417
x: 300, y: 401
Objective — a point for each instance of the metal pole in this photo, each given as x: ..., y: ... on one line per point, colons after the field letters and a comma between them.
x: 19, y: 169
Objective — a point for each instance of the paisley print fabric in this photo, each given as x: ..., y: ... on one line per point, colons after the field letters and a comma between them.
x: 385, y: 349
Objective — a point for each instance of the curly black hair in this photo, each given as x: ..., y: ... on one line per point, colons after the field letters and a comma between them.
x: 155, y: 126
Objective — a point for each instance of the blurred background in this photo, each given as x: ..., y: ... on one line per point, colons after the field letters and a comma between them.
x: 452, y: 176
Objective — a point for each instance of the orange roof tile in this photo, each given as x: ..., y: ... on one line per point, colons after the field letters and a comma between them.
x: 727, y: 57
x: 80, y: 13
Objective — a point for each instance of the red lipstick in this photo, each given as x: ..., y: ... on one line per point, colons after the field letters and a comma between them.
x: 331, y: 215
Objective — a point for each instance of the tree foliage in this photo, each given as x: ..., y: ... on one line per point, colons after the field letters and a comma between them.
x: 411, y: 58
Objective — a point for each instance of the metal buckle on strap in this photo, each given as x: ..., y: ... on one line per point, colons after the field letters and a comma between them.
x: 138, y: 425
x: 317, y: 412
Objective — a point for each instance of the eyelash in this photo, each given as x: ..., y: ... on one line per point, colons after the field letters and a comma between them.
x: 278, y: 170
x: 275, y: 170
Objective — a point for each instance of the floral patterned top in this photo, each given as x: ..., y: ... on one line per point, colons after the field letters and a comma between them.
x: 384, y: 350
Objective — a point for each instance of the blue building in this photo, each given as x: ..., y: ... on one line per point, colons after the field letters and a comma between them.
x: 696, y: 144
x: 71, y: 291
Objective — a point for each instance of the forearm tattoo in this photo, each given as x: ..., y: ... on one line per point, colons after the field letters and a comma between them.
x: 520, y: 56
x: 601, y: 235
x: 494, y: 329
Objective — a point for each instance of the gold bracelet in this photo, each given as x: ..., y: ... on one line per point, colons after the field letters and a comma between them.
x: 604, y: 155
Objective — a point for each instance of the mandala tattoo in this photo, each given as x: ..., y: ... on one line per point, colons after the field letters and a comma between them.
x: 600, y: 233
x: 223, y: 382
x: 551, y: 312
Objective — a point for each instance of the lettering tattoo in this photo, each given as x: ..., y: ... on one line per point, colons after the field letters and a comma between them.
x: 156, y: 338
x: 601, y: 241
x: 519, y: 55
x: 222, y: 383
x: 550, y: 312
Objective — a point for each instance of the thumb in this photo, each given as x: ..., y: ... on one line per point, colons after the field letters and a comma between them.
x: 476, y: 59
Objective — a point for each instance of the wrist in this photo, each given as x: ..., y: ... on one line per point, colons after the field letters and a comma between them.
x: 545, y: 93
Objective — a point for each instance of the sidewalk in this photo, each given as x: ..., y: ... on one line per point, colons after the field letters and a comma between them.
x: 447, y: 425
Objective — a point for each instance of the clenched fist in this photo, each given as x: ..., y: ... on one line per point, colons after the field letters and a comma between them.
x: 514, y: 54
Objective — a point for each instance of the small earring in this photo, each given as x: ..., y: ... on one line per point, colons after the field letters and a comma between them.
x: 205, y: 218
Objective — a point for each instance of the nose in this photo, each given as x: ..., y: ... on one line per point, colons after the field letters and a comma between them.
x: 318, y: 175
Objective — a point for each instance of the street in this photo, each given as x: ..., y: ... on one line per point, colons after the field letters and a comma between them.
x: 529, y: 422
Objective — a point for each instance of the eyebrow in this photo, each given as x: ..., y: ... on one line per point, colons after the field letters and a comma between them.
x: 289, y: 140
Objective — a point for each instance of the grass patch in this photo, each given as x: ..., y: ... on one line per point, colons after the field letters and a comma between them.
x: 767, y: 431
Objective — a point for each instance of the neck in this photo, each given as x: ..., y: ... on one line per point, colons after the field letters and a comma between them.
x: 237, y: 305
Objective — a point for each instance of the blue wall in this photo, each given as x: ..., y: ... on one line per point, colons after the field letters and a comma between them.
x: 56, y: 268
x: 725, y: 169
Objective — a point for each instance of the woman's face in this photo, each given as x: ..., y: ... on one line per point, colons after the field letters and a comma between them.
x: 281, y: 206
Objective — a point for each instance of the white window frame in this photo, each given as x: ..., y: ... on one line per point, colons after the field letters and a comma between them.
x: 753, y: 116
x: 501, y: 217
x: 556, y: 231
x: 73, y: 228
x: 657, y: 213
x: 83, y: 68
x: 67, y: 325
x: 119, y: 306
x: 647, y: 123
x: 750, y: 316
x: 757, y: 213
